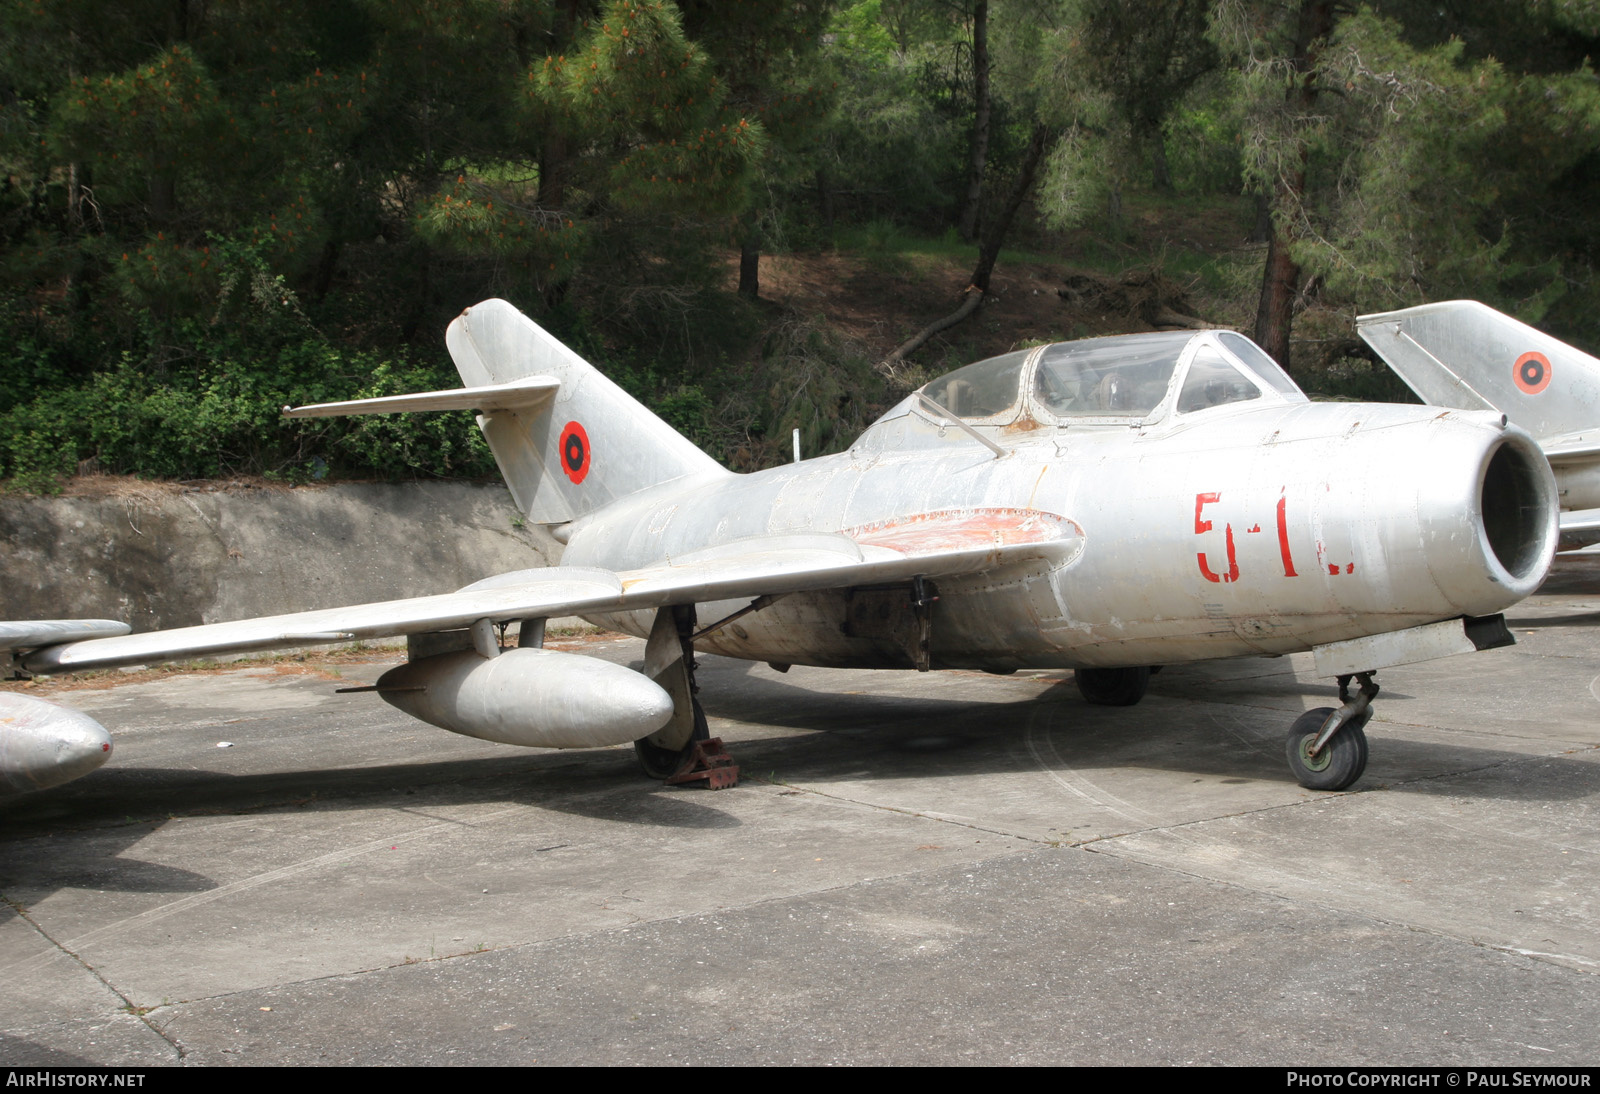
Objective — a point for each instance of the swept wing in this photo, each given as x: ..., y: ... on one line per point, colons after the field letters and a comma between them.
x: 937, y: 545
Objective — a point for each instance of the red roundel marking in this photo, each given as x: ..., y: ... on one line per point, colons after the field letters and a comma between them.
x: 1531, y: 372
x: 574, y: 451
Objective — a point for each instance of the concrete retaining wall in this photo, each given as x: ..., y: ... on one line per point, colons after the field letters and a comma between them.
x: 160, y: 556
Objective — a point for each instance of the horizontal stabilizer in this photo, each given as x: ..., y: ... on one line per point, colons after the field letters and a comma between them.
x: 930, y: 545
x: 529, y: 394
x: 1579, y: 528
x: 594, y: 445
x: 1581, y: 447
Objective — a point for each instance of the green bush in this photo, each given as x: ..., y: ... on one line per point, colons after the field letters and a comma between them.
x: 213, y: 408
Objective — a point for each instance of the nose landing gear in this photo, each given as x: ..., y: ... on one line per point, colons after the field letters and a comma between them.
x: 1327, y: 748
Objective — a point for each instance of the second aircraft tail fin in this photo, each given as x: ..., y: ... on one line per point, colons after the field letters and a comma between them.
x: 1464, y: 354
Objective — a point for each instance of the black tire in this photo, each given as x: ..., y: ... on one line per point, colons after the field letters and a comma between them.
x: 1341, y: 761
x: 662, y: 763
x: 1112, y: 687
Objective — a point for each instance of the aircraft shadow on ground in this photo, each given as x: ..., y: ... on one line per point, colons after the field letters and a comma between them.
x: 842, y: 736
x: 1534, y: 622
x: 603, y: 784
x: 1572, y: 575
x: 1186, y: 725
x: 109, y: 873
x: 20, y: 1052
x: 77, y: 838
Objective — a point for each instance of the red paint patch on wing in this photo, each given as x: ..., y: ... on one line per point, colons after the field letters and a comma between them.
x: 961, y: 529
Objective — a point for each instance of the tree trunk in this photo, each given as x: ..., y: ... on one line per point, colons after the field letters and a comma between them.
x: 978, y: 150
x: 994, y: 235
x: 553, y: 149
x: 163, y: 197
x: 750, y: 266
x: 326, y: 265
x: 825, y: 198
x: 994, y: 232
x: 1275, y: 314
x: 552, y: 169
x: 423, y: 291
x: 1160, y: 173
x: 74, y: 201
x: 1262, y: 232
x: 1281, y: 278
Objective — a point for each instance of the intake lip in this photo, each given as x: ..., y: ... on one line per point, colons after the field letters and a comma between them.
x: 1517, y: 514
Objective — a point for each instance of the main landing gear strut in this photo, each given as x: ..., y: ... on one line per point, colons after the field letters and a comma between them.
x: 682, y: 751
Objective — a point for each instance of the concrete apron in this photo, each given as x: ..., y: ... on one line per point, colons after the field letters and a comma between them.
x: 948, y: 867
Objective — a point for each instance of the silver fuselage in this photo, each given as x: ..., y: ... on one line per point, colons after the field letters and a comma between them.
x: 1257, y: 530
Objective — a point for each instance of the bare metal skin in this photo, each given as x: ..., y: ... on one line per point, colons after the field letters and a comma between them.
x: 1267, y: 529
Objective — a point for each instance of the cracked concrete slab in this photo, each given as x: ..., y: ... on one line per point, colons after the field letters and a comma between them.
x: 66, y: 1015
x: 1053, y: 956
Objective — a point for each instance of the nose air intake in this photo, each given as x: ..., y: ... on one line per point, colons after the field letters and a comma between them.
x: 1517, y: 512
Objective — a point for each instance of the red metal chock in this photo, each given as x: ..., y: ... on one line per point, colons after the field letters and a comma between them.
x: 710, y: 761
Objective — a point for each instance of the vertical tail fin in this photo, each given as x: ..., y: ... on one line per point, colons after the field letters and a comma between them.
x: 592, y: 445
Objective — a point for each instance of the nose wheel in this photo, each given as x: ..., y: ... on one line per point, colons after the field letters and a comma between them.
x: 1327, y: 747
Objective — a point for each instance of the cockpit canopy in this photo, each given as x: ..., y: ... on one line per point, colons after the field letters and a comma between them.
x: 1130, y: 379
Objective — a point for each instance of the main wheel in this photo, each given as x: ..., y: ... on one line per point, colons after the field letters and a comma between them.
x: 1112, y: 687
x: 1342, y: 759
x: 660, y: 762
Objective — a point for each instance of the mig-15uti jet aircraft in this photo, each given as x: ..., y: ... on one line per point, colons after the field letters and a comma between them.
x: 1109, y: 505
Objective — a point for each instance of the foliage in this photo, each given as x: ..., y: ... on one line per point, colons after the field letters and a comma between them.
x: 807, y: 378
x: 209, y: 210
x: 205, y: 398
x: 895, y: 144
x: 1399, y: 165
x: 220, y: 416
x: 1202, y: 140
